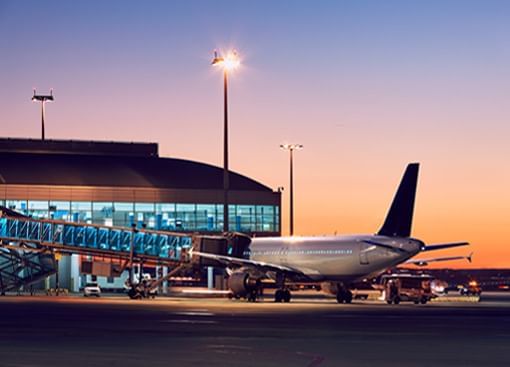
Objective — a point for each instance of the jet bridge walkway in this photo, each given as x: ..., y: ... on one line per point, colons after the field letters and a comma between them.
x: 28, y: 246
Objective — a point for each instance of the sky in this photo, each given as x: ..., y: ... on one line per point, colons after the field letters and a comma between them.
x: 365, y: 86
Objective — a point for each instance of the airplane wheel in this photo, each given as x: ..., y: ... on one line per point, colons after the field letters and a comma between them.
x: 278, y: 295
x: 132, y: 293
x: 348, y: 297
x: 396, y: 300
x: 344, y: 296
x: 286, y: 296
x: 250, y: 298
x: 423, y: 301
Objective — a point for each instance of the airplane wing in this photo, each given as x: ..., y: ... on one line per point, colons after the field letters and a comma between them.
x: 263, y: 266
x: 440, y: 246
x: 425, y: 262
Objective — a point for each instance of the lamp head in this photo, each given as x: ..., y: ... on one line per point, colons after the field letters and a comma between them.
x: 291, y: 146
x: 228, y: 62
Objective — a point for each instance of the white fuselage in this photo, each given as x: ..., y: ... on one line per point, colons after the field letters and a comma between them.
x: 335, y: 258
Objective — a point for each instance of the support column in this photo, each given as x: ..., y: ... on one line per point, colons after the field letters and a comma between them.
x: 165, y: 283
x: 210, y: 277
x: 75, y: 273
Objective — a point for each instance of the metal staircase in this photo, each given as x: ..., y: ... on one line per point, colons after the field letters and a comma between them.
x: 24, y: 265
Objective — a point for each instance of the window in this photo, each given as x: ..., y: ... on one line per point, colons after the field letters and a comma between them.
x: 38, y: 209
x: 265, y: 219
x: 60, y: 210
x: 81, y: 211
x: 102, y: 213
x: 145, y: 215
x: 185, y: 217
x: 165, y: 216
x: 17, y: 205
x: 123, y: 214
x: 206, y: 217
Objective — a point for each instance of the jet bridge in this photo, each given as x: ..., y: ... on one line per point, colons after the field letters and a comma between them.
x: 28, y: 246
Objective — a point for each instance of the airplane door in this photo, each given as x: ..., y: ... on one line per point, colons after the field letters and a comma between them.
x: 363, y: 254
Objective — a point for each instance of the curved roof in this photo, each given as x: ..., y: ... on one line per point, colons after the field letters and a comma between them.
x: 117, y: 171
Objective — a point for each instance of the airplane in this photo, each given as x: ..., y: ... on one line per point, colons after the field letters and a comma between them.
x: 336, y: 262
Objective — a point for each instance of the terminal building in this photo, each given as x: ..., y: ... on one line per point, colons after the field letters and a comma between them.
x: 120, y: 184
x: 125, y: 184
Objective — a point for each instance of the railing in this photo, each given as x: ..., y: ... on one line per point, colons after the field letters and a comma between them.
x: 82, y: 236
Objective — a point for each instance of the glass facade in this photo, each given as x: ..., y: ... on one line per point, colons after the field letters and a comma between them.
x: 159, y: 216
x: 254, y: 218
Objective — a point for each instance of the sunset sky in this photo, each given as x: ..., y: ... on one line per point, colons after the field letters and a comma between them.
x: 365, y: 86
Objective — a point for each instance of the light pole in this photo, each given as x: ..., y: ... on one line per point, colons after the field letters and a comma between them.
x: 228, y: 62
x: 291, y: 148
x: 43, y: 99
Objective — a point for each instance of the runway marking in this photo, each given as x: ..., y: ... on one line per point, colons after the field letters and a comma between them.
x: 230, y: 346
x: 186, y: 321
x: 193, y: 313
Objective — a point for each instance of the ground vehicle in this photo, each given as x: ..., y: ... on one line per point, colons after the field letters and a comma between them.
x: 143, y: 289
x: 91, y: 289
x: 398, y: 288
x: 472, y: 289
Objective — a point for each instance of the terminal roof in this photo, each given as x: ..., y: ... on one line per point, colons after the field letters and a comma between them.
x: 112, y: 164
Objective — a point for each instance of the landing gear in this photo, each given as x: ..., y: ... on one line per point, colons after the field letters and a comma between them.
x: 252, y: 296
x: 344, y: 296
x: 282, y: 295
x: 133, y: 293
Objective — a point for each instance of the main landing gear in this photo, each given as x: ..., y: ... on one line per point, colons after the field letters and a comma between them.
x: 252, y: 295
x: 282, y: 295
x: 344, y: 295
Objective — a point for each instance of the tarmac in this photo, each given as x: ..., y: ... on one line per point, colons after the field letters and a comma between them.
x: 309, y: 331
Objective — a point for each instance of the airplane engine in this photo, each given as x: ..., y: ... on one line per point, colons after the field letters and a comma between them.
x: 242, y: 283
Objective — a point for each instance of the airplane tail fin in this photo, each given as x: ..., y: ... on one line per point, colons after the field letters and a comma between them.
x: 400, y: 216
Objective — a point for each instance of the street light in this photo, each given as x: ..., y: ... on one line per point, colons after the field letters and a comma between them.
x: 291, y: 148
x: 228, y: 62
x: 43, y: 99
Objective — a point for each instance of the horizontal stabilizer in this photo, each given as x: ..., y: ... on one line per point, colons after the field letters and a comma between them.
x: 441, y: 246
x: 425, y: 262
